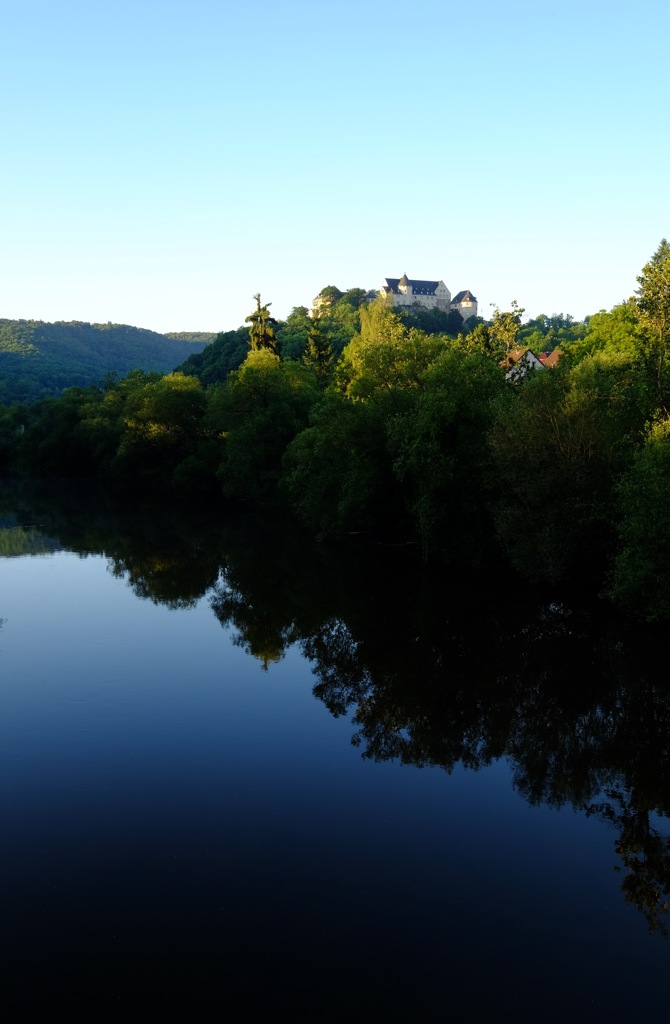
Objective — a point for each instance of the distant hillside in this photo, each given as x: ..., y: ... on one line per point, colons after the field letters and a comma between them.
x: 226, y: 353
x: 39, y: 359
x: 193, y: 336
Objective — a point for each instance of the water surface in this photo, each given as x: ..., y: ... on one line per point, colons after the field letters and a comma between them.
x: 238, y: 774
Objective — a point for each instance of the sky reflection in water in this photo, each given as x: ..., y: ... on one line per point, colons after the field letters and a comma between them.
x: 182, y: 827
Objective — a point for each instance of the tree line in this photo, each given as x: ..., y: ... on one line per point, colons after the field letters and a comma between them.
x: 39, y: 360
x: 406, y: 436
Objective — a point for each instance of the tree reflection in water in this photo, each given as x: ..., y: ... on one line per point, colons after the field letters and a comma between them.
x: 430, y: 679
x: 433, y: 669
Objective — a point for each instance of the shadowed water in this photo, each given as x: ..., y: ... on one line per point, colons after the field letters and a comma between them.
x: 242, y: 772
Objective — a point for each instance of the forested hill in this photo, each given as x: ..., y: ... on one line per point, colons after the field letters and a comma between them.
x: 40, y: 359
x: 205, y: 337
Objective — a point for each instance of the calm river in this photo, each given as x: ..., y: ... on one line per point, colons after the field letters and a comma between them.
x: 240, y: 773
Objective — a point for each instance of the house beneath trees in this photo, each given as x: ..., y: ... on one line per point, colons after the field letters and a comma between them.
x: 406, y: 292
x: 520, y: 360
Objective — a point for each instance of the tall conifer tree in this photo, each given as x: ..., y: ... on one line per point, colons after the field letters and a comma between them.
x: 262, y: 329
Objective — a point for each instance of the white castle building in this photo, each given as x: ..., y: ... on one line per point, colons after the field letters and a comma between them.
x: 405, y: 292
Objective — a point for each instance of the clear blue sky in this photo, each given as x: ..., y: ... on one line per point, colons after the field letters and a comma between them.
x: 163, y: 160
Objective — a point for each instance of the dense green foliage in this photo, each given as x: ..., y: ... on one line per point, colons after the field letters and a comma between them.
x: 39, y: 359
x: 319, y: 337
x: 545, y: 333
x: 226, y: 353
x: 200, y: 337
x: 255, y: 415
x: 432, y: 321
x: 406, y: 436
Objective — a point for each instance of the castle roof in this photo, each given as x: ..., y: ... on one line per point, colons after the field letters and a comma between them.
x: 418, y: 287
x: 465, y: 296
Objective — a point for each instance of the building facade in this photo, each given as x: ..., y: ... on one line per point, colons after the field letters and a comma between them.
x: 406, y: 292
x: 466, y: 304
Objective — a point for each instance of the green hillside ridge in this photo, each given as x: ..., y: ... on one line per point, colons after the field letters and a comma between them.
x: 192, y: 336
x: 39, y: 359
